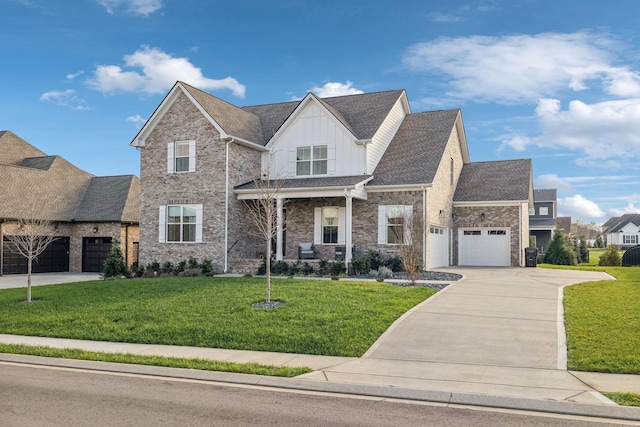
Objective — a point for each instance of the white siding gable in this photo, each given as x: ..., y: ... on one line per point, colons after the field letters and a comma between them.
x: 386, y: 132
x: 313, y: 125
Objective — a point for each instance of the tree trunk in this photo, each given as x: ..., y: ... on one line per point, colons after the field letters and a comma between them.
x: 268, y: 264
x: 29, y: 263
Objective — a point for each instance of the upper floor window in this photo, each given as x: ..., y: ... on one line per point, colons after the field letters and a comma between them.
x: 543, y: 211
x: 311, y: 160
x: 181, y: 156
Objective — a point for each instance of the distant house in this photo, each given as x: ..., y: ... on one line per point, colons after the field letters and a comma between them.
x: 354, y: 169
x: 623, y: 231
x: 544, y: 219
x: 88, y: 212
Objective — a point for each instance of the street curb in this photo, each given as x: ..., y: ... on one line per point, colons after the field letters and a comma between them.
x: 446, y: 398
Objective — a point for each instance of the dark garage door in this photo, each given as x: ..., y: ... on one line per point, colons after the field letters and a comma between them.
x: 94, y: 251
x: 54, y: 259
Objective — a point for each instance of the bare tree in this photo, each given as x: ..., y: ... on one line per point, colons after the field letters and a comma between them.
x: 263, y: 215
x: 33, y: 236
x: 407, y: 230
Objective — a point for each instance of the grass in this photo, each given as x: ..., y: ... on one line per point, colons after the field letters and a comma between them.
x: 626, y: 399
x: 335, y: 318
x: 173, y: 362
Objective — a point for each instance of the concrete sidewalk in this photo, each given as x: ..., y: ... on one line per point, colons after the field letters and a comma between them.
x: 495, y: 338
x: 9, y: 281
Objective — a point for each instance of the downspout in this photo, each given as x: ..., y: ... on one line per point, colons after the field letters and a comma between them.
x: 1, y: 247
x: 126, y: 244
x: 520, y: 248
x: 226, y: 205
x: 424, y: 227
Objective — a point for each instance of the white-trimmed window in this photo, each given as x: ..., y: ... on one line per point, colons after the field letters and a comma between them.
x: 180, y: 223
x: 543, y: 211
x: 630, y: 240
x: 392, y: 221
x: 329, y: 225
x: 311, y: 160
x: 181, y: 156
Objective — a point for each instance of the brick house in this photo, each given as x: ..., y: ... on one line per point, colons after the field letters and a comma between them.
x: 354, y: 169
x: 88, y: 212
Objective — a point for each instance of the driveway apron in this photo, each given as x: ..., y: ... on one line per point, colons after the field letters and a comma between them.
x: 498, y: 331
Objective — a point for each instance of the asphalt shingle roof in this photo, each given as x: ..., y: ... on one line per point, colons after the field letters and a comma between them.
x: 414, y: 154
x: 49, y: 187
x: 619, y: 223
x: 335, y: 181
x: 503, y: 180
x: 545, y: 195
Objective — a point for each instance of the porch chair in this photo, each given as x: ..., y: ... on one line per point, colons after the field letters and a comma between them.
x: 306, y: 251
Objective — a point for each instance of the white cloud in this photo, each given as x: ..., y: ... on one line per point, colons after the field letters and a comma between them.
x: 138, y: 120
x: 602, y: 132
x: 444, y: 18
x: 66, y: 98
x: 134, y: 7
x: 554, y: 181
x: 151, y: 71
x: 629, y: 209
x: 522, y: 68
x: 335, y: 89
x: 72, y: 76
x: 579, y: 207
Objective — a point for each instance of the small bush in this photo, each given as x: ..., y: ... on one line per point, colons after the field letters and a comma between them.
x: 323, y: 267
x: 375, y: 259
x: 262, y: 270
x: 394, y: 263
x: 373, y: 273
x: 207, y: 267
x: 281, y: 268
x: 154, y: 266
x: 193, y: 263
x: 307, y: 269
x: 610, y: 257
x: 385, y: 272
x: 560, y: 250
x: 167, y: 267
x: 114, y: 265
x: 360, y: 265
x: 337, y: 268
x: 294, y: 268
x: 190, y: 272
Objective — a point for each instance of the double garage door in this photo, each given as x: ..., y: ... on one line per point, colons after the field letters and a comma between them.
x: 484, y: 247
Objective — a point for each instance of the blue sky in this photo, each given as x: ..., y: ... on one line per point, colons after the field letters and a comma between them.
x: 557, y: 81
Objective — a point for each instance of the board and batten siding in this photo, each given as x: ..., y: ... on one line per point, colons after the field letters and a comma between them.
x: 314, y: 126
x: 385, y: 134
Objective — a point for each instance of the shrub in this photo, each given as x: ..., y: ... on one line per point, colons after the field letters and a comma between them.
x: 193, y: 263
x: 182, y: 266
x: 323, y: 267
x: 281, y: 268
x: 560, y: 250
x: 584, y: 251
x: 375, y: 259
x: 190, y: 272
x: 206, y: 267
x: 307, y: 269
x: 373, y: 273
x: 360, y: 265
x: 114, y: 265
x: 394, y: 263
x: 337, y: 268
x: 262, y: 270
x: 294, y: 268
x: 154, y: 266
x: 167, y: 267
x: 385, y: 272
x: 610, y: 257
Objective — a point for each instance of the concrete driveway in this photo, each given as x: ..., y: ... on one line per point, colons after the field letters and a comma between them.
x: 39, y: 279
x: 498, y: 331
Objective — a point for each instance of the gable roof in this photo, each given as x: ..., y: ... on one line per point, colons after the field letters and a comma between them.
x: 59, y: 191
x: 619, y: 223
x: 414, y: 154
x: 503, y: 180
x: 545, y: 195
x: 14, y: 149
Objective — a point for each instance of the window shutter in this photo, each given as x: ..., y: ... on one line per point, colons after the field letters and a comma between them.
x: 162, y: 224
x: 342, y: 218
x: 408, y: 226
x: 317, y: 226
x: 192, y: 156
x: 171, y: 157
x: 382, y: 225
x: 198, y: 223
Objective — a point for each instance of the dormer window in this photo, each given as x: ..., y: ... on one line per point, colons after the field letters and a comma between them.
x: 543, y: 211
x: 311, y: 160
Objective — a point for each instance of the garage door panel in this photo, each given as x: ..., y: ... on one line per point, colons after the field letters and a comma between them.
x: 484, y: 247
x: 54, y: 259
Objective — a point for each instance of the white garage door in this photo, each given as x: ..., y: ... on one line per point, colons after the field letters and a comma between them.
x: 484, y: 247
x: 438, y: 247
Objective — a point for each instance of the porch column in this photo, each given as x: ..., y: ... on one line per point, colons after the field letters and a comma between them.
x: 348, y: 238
x: 279, y: 228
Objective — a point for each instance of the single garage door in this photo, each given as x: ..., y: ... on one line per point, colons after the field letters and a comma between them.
x: 95, y: 251
x: 438, y: 247
x: 484, y: 247
x: 54, y: 259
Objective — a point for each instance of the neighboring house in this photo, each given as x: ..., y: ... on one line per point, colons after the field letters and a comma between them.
x: 88, y: 212
x: 623, y: 232
x: 544, y: 219
x: 354, y: 170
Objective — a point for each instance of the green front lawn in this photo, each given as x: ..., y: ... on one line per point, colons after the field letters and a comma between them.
x: 603, y: 322
x: 336, y: 318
